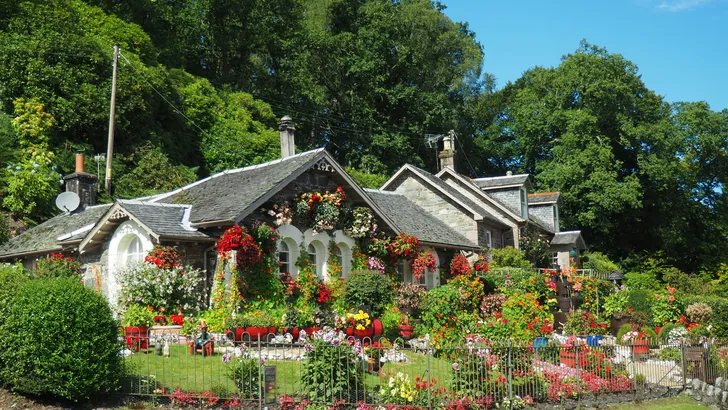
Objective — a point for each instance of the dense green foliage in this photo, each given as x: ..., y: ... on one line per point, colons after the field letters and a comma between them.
x: 368, y: 289
x: 201, y: 84
x: 74, y: 352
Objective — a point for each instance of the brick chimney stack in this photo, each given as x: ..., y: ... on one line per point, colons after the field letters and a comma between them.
x: 287, y: 131
x: 82, y: 183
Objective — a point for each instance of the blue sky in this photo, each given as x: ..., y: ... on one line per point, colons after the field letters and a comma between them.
x: 680, y: 46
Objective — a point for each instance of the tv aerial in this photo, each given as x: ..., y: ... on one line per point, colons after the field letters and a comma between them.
x: 68, y: 201
x: 432, y: 139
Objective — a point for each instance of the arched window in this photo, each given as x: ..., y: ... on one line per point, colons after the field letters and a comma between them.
x: 284, y: 258
x: 312, y: 255
x: 134, y: 251
x: 337, y: 255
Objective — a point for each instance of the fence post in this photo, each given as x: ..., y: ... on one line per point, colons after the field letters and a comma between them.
x: 427, y: 372
x: 261, y: 392
x: 634, y: 371
x: 510, y: 377
x: 683, y: 366
x: 578, y: 376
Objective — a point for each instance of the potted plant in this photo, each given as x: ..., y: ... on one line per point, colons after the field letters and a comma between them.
x: 306, y: 321
x: 374, y: 352
x: 290, y: 323
x: 541, y: 329
x: 596, y: 330
x: 361, y: 323
x: 259, y: 324
x: 569, y: 351
x: 160, y: 320
x: 405, y: 327
x: 236, y: 327
x: 137, y: 320
x: 553, y: 304
x: 577, y: 323
x: 409, y: 298
x: 618, y: 320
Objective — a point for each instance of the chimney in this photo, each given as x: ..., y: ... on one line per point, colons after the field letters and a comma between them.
x: 447, y: 155
x: 82, y: 183
x: 287, y: 130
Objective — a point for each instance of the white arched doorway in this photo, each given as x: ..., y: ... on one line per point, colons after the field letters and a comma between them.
x: 289, y: 245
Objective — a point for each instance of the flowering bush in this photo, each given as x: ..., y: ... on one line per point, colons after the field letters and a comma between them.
x: 376, y: 264
x: 410, y: 296
x: 244, y: 370
x: 424, y: 261
x: 282, y: 213
x: 399, y: 390
x: 164, y: 257
x: 359, y: 320
x: 325, y: 210
x: 58, y: 266
x: 460, y: 266
x: 238, y: 239
x: 404, y: 246
x: 492, y: 304
x: 323, y: 293
x: 332, y: 369
x: 363, y: 223
x: 699, y: 313
x: 481, y: 265
x: 177, y: 319
x: 147, y: 285
x: 665, y: 308
x: 582, y: 322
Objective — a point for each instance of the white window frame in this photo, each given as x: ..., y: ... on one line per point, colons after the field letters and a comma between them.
x: 556, y: 218
x: 284, y: 254
x: 134, y: 251
x: 489, y: 239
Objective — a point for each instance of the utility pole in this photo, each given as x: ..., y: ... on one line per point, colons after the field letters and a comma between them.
x: 112, y: 117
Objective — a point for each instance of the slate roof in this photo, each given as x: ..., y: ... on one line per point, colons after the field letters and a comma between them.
x: 44, y: 237
x: 538, y: 223
x: 543, y: 198
x: 457, y: 195
x: 164, y: 220
x: 497, y: 182
x: 220, y: 197
x: 567, y: 238
x: 412, y: 219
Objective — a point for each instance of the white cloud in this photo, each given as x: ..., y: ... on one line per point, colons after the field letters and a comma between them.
x: 681, y: 5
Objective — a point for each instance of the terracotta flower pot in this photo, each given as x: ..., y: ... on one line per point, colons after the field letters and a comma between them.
x: 640, y: 346
x: 567, y: 357
x: 310, y: 330
x: 349, y: 331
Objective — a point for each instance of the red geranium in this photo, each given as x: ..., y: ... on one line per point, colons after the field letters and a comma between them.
x: 178, y: 319
x: 424, y: 261
x: 164, y: 257
x: 460, y: 266
x: 238, y: 239
x: 323, y: 293
x: 481, y: 265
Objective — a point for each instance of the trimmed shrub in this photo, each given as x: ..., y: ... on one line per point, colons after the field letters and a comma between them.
x: 59, y: 339
x: 369, y: 288
x: 509, y: 257
x: 12, y: 278
x: 641, y: 301
x: 58, y: 266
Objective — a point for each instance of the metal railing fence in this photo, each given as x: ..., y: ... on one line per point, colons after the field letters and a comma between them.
x: 271, y: 370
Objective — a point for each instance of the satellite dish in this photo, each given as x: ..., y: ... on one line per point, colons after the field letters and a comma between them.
x: 68, y: 201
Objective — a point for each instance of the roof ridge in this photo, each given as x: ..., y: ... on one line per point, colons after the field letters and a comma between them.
x: 501, y: 176
x: 233, y: 171
x: 379, y: 191
x: 138, y: 202
x: 544, y: 193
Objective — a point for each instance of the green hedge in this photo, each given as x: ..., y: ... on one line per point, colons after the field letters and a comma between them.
x: 369, y: 288
x: 60, y: 339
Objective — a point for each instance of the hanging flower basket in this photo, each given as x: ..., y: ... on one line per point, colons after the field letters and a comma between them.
x: 406, y: 331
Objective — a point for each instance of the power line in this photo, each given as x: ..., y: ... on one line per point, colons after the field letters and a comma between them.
x: 464, y: 154
x: 174, y: 107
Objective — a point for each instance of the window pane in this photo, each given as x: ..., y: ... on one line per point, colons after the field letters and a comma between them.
x: 312, y: 254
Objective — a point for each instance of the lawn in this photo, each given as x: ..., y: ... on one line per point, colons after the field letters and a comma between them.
x: 672, y: 403
x: 198, y: 373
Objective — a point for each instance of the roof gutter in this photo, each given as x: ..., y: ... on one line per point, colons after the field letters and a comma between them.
x: 447, y: 246
x: 208, y: 224
x: 30, y: 253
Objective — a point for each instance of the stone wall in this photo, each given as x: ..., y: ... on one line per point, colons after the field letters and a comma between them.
x: 441, y: 207
x: 713, y: 395
x: 495, y: 235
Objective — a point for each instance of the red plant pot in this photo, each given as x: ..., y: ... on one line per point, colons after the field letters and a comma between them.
x: 406, y: 331
x: 237, y: 333
x: 349, y: 331
x: 658, y: 329
x: 136, y: 337
x: 568, y: 357
x: 256, y: 332
x: 378, y: 327
x: 272, y: 330
x: 364, y: 333
x: 640, y: 346
x: 310, y: 330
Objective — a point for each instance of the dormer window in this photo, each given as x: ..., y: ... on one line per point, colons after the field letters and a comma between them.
x: 524, y: 203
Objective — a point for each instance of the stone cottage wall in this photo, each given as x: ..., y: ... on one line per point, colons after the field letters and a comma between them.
x: 441, y: 208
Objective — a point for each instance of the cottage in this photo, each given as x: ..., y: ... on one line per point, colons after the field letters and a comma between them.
x: 448, y: 212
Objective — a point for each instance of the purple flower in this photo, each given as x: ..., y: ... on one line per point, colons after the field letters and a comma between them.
x: 262, y: 362
x: 308, y: 348
x: 226, y: 358
x: 456, y: 367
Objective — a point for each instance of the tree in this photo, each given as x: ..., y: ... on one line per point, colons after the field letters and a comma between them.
x: 152, y: 173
